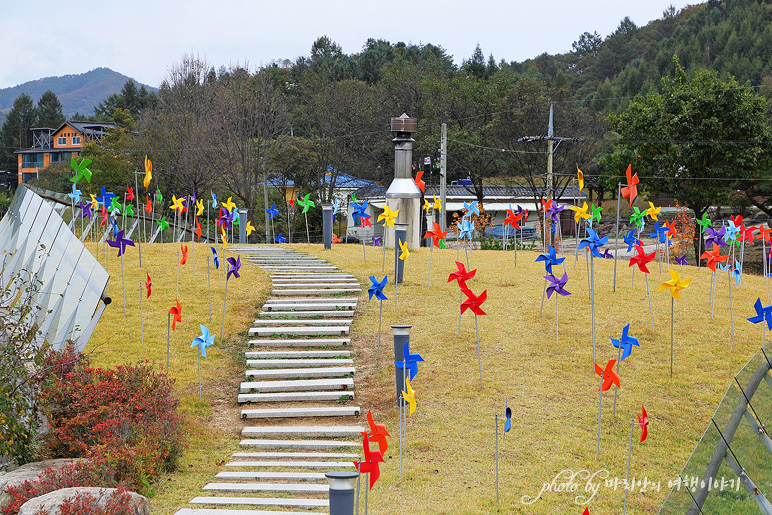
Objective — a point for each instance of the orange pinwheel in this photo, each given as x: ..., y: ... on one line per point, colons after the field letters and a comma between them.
x: 608, y: 374
x: 546, y: 205
x: 713, y: 257
x: 642, y: 259
x: 371, y: 461
x: 643, y: 421
x: 176, y: 311
x: 630, y: 191
x: 461, y: 275
x: 764, y: 233
x: 513, y: 219
x: 473, y: 301
x: 670, y: 228
x: 436, y: 234
x: 148, y: 205
x: 184, y: 249
x: 198, y: 228
x: 377, y: 433
x: 418, y: 182
x: 335, y: 238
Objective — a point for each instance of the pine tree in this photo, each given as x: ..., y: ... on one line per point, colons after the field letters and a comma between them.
x: 49, y: 111
x: 15, y: 133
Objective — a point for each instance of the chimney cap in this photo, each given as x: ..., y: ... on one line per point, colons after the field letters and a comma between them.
x: 404, y: 124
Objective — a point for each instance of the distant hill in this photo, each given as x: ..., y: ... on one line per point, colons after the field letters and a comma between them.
x: 77, y: 93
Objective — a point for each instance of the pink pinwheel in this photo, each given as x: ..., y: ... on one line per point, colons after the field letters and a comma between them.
x: 556, y: 285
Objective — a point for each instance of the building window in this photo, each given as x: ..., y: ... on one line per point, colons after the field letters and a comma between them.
x: 32, y: 161
x: 76, y: 140
x: 61, y: 141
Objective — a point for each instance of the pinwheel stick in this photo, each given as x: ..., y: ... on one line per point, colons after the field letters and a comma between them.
x: 616, y: 390
x: 380, y: 317
x: 600, y: 404
x: 224, y: 302
x: 479, y: 360
x: 496, y: 432
x: 766, y: 269
x: 543, y: 294
x: 648, y: 293
x: 557, y: 339
x: 616, y: 243
x: 401, y: 409
x: 359, y: 482
x: 731, y: 313
x: 168, y: 335
x: 198, y: 352
x: 396, y: 290
x: 672, y: 316
x: 383, y: 264
x: 592, y: 303
x: 364, y: 252
x: 629, y: 454
x: 123, y: 285
x: 209, y: 287
x: 308, y: 237
x: 178, y: 274
x: 141, y: 318
x: 431, y: 251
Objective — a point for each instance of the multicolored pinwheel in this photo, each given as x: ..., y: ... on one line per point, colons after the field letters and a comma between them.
x: 630, y: 191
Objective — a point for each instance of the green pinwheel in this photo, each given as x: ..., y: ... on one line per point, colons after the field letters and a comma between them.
x: 595, y: 213
x: 158, y: 194
x: 354, y: 198
x: 306, y: 203
x: 128, y: 209
x: 81, y: 170
x: 704, y: 223
x: 163, y: 223
x: 637, y: 216
x: 115, y: 205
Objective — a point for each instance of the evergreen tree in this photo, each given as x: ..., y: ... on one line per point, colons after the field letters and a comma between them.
x: 15, y: 134
x: 49, y: 111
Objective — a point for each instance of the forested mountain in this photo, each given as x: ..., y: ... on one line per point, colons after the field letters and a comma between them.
x: 78, y: 93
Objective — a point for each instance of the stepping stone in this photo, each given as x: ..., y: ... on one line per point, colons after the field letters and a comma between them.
x: 297, y: 354
x: 345, y: 383
x: 299, y: 476
x: 347, y: 306
x: 311, y: 301
x: 349, y: 284
x: 346, y: 279
x: 296, y: 455
x: 294, y: 444
x: 306, y: 313
x: 313, y: 321
x: 337, y: 411
x: 265, y: 501
x: 298, y: 363
x: 294, y: 396
x: 293, y: 488
x: 327, y: 291
x: 292, y: 464
x: 290, y: 373
x: 221, y: 511
x: 300, y: 267
x: 324, y: 431
x: 288, y: 276
x: 310, y: 342
x: 300, y: 330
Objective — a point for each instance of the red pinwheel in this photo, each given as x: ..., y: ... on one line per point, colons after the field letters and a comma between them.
x: 630, y: 191
x: 513, y: 219
x: 377, y: 433
x: 643, y: 421
x: 641, y: 259
x: 335, y: 238
x: 366, y: 221
x: 104, y: 216
x: 608, y: 374
x: 546, y: 206
x: 764, y: 233
x: 184, y: 249
x: 198, y: 228
x: 176, y: 311
x: 461, y: 275
x: 736, y: 220
x: 370, y: 463
x: 747, y: 234
x: 148, y: 204
x: 292, y: 204
x: 436, y: 234
x: 129, y: 193
x: 148, y: 284
x: 713, y: 257
x: 420, y: 183
x: 473, y: 301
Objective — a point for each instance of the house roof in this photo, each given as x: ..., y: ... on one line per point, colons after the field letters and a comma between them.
x: 89, y: 128
x: 342, y: 181
x: 490, y: 193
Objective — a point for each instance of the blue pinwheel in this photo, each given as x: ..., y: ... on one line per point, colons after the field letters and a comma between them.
x: 626, y: 342
x: 214, y: 200
x: 376, y: 242
x: 465, y: 229
x: 76, y: 193
x: 550, y: 259
x: 203, y: 341
x: 114, y: 224
x: 280, y: 238
x: 715, y: 236
x: 471, y: 209
x: 360, y: 210
x: 234, y: 268
x: 631, y: 240
x: 215, y: 258
x: 660, y: 233
x: 377, y: 288
x: 272, y: 211
x: 120, y: 243
x: 508, y: 415
x: 334, y: 208
x: 593, y: 242
x: 411, y: 361
x: 556, y: 285
x: 105, y: 197
x: 730, y: 232
x: 737, y: 272
x: 762, y: 314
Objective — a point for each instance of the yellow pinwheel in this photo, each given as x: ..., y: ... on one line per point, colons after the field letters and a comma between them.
x: 409, y: 396
x: 94, y: 202
x: 199, y: 206
x: 388, y: 216
x: 580, y: 178
x: 250, y: 227
x: 230, y: 205
x: 581, y: 212
x: 653, y: 211
x: 148, y: 172
x: 405, y: 253
x: 437, y: 203
x: 675, y: 284
x: 427, y: 206
x: 177, y: 204
x: 224, y: 238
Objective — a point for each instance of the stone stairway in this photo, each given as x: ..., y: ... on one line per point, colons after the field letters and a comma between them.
x: 298, y: 393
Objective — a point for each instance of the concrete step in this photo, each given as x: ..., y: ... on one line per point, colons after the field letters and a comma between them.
x: 323, y: 431
x: 310, y: 321
x: 295, y: 396
x: 225, y: 511
x: 322, y: 291
x: 308, y: 306
x: 286, y: 276
x: 296, y: 354
x: 297, y: 455
x: 297, y: 444
x: 297, y: 476
x: 292, y: 488
x: 299, y: 267
x: 320, y: 313
x: 327, y: 465
x: 305, y: 280
x: 263, y: 501
x: 317, y: 285
x: 312, y: 301
x: 309, y: 342
x: 337, y: 411
x: 300, y: 330
x: 298, y: 363
x: 294, y: 373
x: 345, y: 383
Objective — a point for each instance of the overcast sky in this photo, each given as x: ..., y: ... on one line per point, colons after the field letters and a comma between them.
x: 142, y: 38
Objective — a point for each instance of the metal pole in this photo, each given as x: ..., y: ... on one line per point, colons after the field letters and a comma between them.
x: 616, y: 238
x: 600, y: 404
x: 209, y: 287
x: 443, y: 173
x: 592, y: 302
x: 731, y: 313
x: 672, y: 302
x: 627, y: 477
x: 142, y: 322
x: 496, y: 431
x: 136, y: 190
x: 616, y: 390
x: 168, y: 335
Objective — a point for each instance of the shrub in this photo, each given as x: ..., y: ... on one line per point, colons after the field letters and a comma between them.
x: 74, y: 474
x: 119, y: 503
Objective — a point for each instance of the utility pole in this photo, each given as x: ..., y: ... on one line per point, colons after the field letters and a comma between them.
x: 443, y: 173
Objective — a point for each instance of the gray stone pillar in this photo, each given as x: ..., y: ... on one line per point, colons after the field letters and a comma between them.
x: 327, y: 225
x: 242, y: 214
x: 401, y: 337
x: 342, y: 492
x: 400, y: 231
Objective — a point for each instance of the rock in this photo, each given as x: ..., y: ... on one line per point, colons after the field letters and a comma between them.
x: 49, y: 503
x: 27, y: 472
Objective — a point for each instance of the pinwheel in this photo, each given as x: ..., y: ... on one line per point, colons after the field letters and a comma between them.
x: 148, y: 172
x: 104, y: 217
x: 148, y: 204
x: 105, y: 197
x: 630, y: 191
x: 513, y: 220
x: 764, y: 236
x: 114, y: 224
x: 579, y: 178
x: 436, y: 234
x: 409, y: 361
x: 763, y: 314
x: 376, y: 288
x: 637, y: 217
x: 162, y: 226
x: 554, y: 215
x: 334, y: 209
x: 550, y: 259
x: 81, y: 170
x: 470, y: 208
x: 376, y: 242
x: 556, y: 286
x: 595, y: 213
x: 419, y: 182
x: 474, y: 303
x: 377, y: 433
x: 592, y: 243
x: 404, y: 254
x: 713, y: 257
x: 175, y: 315
x: 737, y: 273
x: 197, y: 232
x: 461, y: 275
x: 508, y: 416
x: 159, y: 195
x: 437, y: 206
x: 85, y: 210
x: 731, y: 232
x: 369, y: 465
x: 715, y: 237
x: 233, y: 270
x: 607, y: 377
x: 674, y: 285
x: 335, y: 238
x: 427, y: 206
x: 360, y: 210
x: 121, y: 243
x: 631, y: 240
x: 129, y: 193
x: 292, y: 204
x: 388, y: 216
x: 184, y: 250
x: 250, y: 227
x: 580, y: 213
x: 307, y: 203
x: 115, y: 206
x: 681, y: 260
x: 624, y: 347
x: 643, y: 421
x: 208, y: 277
x: 229, y: 205
x: 223, y: 237
x: 76, y: 194
x: 366, y: 221
x: 652, y: 211
x: 280, y: 238
x: 409, y: 396
x: 147, y: 285
x: 202, y: 342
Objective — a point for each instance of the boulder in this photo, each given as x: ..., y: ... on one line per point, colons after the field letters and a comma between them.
x: 28, y: 472
x: 50, y: 502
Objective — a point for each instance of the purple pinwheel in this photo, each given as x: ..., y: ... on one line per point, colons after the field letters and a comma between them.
x: 120, y: 243
x: 280, y: 238
x: 554, y: 212
x: 234, y: 268
x: 377, y: 288
x: 593, y: 242
x: 681, y: 260
x: 625, y: 343
x: 85, y: 210
x: 631, y: 240
x: 226, y: 218
x: 550, y: 259
x: 556, y: 285
x: 411, y: 361
x: 659, y: 233
x: 376, y: 242
x: 359, y: 210
x: 607, y: 254
x: 762, y: 314
x: 715, y: 237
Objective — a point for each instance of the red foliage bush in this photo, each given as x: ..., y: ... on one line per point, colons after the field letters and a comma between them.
x: 75, y: 474
x: 86, y: 504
